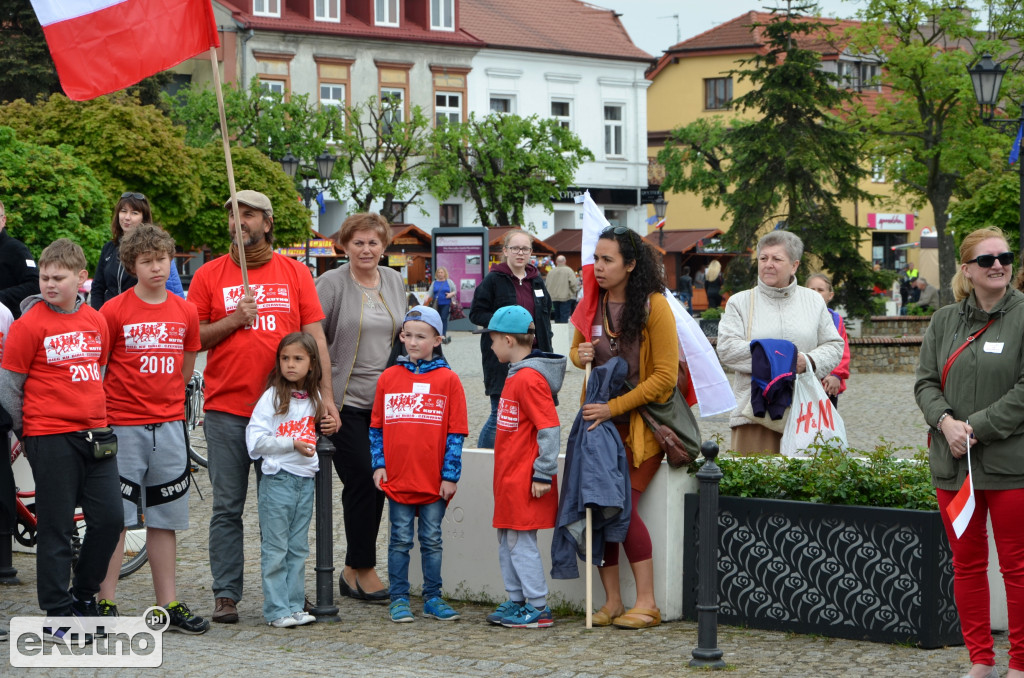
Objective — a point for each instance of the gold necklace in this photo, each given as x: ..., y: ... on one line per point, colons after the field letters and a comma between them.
x: 613, y: 343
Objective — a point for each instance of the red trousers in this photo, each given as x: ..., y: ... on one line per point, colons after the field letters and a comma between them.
x: 970, y: 570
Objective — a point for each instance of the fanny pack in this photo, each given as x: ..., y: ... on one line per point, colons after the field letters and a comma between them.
x: 101, y: 441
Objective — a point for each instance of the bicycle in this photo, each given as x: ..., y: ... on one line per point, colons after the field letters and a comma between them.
x: 194, y: 399
x: 135, y: 555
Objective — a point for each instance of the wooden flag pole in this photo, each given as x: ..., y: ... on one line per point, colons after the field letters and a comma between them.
x: 589, y: 541
x: 230, y: 169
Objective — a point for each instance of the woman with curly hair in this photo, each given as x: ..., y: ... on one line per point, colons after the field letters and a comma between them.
x: 637, y: 325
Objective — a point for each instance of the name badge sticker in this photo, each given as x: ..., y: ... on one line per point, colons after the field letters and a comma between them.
x: 596, y: 330
x: 993, y: 347
x: 420, y: 388
x: 538, y: 293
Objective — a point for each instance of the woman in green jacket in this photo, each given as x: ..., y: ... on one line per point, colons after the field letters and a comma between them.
x: 970, y: 388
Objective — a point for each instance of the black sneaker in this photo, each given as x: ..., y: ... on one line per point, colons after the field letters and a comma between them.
x: 106, y: 608
x: 184, y: 621
x: 84, y: 608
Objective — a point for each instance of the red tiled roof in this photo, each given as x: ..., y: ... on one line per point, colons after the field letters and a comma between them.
x: 568, y: 240
x: 680, y: 241
x: 497, y: 234
x: 351, y: 26
x: 554, y: 26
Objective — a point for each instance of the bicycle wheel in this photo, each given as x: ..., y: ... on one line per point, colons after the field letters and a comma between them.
x: 135, y: 555
x: 194, y: 398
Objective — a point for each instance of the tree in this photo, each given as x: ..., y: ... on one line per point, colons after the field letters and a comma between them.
x: 129, y: 147
x: 253, y: 170
x: 505, y: 163
x: 791, y: 166
x: 927, y: 132
x: 381, y: 155
x: 51, y: 194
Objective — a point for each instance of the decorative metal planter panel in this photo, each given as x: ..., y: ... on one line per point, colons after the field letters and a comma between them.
x: 856, y: 572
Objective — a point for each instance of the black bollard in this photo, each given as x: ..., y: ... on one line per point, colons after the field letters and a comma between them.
x: 707, y: 654
x: 325, y: 610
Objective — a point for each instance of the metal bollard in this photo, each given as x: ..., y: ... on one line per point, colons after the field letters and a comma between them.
x: 325, y: 610
x: 707, y: 654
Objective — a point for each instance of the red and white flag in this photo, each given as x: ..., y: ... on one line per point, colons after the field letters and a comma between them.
x: 961, y: 508
x: 101, y: 46
x: 593, y: 223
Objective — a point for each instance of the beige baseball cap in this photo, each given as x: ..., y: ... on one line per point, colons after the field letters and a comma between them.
x: 253, y: 199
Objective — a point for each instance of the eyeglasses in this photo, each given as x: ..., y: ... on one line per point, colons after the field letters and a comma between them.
x: 129, y: 194
x: 621, y: 230
x: 986, y: 260
x: 519, y: 250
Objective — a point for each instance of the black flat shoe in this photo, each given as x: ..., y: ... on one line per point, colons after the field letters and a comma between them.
x: 376, y: 597
x: 347, y: 590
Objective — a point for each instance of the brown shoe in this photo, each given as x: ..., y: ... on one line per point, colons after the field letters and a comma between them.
x: 225, y: 611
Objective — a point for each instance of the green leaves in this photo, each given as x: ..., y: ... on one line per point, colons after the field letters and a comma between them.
x: 505, y: 163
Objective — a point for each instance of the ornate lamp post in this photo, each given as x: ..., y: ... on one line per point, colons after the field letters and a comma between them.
x: 987, y: 78
x: 324, y: 167
x: 660, y: 205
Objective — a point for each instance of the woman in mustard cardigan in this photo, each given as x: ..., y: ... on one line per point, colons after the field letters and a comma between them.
x: 637, y: 325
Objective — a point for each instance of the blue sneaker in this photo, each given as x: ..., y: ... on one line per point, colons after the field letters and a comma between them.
x: 399, y: 611
x: 529, y: 617
x: 506, y: 609
x: 438, y: 609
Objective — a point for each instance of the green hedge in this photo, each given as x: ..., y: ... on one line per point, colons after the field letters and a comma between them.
x: 833, y: 476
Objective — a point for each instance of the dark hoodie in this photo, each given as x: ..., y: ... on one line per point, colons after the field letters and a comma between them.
x: 502, y: 288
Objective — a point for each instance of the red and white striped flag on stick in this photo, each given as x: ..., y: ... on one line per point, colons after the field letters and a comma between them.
x: 961, y: 508
x: 593, y: 223
x: 101, y: 46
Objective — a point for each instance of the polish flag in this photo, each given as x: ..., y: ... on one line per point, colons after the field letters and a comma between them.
x: 593, y: 223
x: 961, y: 508
x: 101, y: 46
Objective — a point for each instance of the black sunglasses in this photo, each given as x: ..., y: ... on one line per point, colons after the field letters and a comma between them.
x: 621, y: 230
x: 129, y: 194
x: 986, y: 260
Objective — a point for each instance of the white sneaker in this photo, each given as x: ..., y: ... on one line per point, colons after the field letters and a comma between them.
x: 285, y: 622
x: 303, y: 618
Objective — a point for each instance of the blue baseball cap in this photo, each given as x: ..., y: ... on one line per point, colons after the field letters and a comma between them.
x: 425, y: 314
x: 509, y: 320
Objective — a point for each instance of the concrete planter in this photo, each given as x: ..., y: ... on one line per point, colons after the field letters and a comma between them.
x: 857, y: 572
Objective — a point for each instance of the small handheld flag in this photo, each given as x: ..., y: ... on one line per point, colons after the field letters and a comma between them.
x: 961, y: 508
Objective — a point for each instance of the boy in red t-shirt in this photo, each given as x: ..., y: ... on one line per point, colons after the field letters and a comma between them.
x: 154, y: 341
x: 525, y: 462
x: 416, y: 432
x: 52, y: 387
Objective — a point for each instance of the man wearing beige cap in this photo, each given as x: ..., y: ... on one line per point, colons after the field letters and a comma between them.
x: 241, y: 333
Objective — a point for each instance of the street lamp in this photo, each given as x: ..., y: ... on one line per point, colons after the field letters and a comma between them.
x: 324, y: 168
x: 660, y: 205
x: 987, y: 78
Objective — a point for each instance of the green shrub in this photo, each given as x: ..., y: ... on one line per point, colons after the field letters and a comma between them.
x: 712, y: 314
x: 833, y: 476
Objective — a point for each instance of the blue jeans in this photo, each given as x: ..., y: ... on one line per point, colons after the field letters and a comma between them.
x: 490, y: 428
x: 687, y: 299
x: 402, y: 516
x: 560, y: 311
x: 444, y: 311
x: 286, y: 507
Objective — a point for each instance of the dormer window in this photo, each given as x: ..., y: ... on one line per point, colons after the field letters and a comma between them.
x: 442, y: 15
x: 327, y: 10
x: 266, y: 7
x: 386, y: 12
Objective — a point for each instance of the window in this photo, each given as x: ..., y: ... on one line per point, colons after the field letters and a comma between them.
x: 878, y: 170
x: 447, y: 107
x: 561, y: 110
x: 717, y: 93
x: 272, y: 86
x: 273, y: 70
x: 393, y: 102
x: 449, y: 215
x: 612, y: 129
x: 266, y: 7
x: 327, y: 10
x: 398, y: 212
x: 859, y: 75
x: 442, y: 15
x: 332, y: 94
x: 502, y: 104
x: 387, y: 13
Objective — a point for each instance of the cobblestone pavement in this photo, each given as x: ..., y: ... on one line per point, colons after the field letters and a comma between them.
x: 366, y: 644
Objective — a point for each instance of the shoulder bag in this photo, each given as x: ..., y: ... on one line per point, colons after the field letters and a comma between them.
x: 673, y: 424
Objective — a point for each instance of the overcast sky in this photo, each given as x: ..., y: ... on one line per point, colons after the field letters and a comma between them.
x: 653, y: 28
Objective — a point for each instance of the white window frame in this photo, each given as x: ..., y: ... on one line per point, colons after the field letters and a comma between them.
x: 448, y: 110
x: 327, y: 10
x: 878, y: 171
x: 266, y: 8
x: 444, y: 18
x: 399, y: 110
x: 508, y: 98
x: 563, y: 120
x: 386, y: 12
x: 614, y: 130
x: 273, y: 85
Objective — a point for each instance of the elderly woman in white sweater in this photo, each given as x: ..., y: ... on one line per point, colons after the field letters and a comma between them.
x: 777, y: 308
